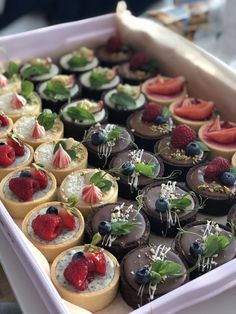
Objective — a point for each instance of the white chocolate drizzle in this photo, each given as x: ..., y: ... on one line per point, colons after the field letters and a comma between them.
x: 135, y: 157
x: 105, y: 149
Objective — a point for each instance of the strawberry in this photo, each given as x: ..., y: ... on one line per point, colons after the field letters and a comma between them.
x: 48, y: 227
x: 17, y: 145
x: 99, y: 260
x: 217, y: 167
x: 114, y: 44
x: 151, y: 111
x: 76, y: 273
x: 138, y: 61
x: 68, y: 220
x: 199, y: 111
x: 226, y: 125
x: 24, y: 187
x: 7, y: 155
x: 182, y: 136
x: 166, y: 87
x: 41, y: 176
x: 215, y: 126
x: 3, y: 120
x: 224, y: 136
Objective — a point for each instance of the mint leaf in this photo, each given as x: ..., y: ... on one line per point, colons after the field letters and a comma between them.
x: 181, y: 203
x: 97, y: 79
x: 12, y: 69
x: 57, y: 91
x: 212, y: 246
x: 72, y: 152
x: 156, y: 278
x: 114, y: 134
x: 147, y: 170
x: 97, y: 238
x: 76, y: 113
x: 223, y: 241
x: 166, y: 112
x: 203, y: 146
x: 77, y: 62
x: 151, y: 66
x: 56, y: 147
x: 123, y: 227
x: 233, y: 170
x: 47, y: 119
x: 72, y: 200
x: 35, y: 70
x: 160, y: 269
x: 123, y: 100
x: 98, y: 179
x: 27, y: 88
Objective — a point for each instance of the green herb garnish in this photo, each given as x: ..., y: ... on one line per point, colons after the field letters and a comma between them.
x: 151, y: 66
x: 114, y: 134
x: 56, y: 90
x: 180, y: 203
x: 72, y: 152
x: 78, y: 62
x: 123, y: 100
x: 97, y: 79
x: 203, y: 146
x: 12, y: 69
x: 35, y: 70
x: 214, y: 244
x: 47, y: 119
x: 27, y: 88
x: 160, y: 269
x: 166, y: 112
x: 76, y: 113
x: 123, y: 227
x: 233, y: 170
x: 98, y: 179
x: 147, y: 170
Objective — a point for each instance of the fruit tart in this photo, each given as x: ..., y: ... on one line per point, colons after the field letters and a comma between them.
x: 214, y: 182
x: 149, y: 272
x: 122, y: 101
x: 165, y: 90
x: 86, y: 276
x: 61, y: 157
x: 9, y: 83
x: 38, y: 129
x: 150, y: 125
x: 233, y: 160
x: 78, y: 61
x: 54, y: 227
x: 23, y: 189
x: 122, y: 227
x: 93, y: 187
x: 139, y: 69
x: 181, y: 150
x: 78, y: 116
x: 6, y: 125
x: 135, y: 169
x: 113, y: 52
x: 220, y: 137
x: 59, y: 89
x: 169, y: 205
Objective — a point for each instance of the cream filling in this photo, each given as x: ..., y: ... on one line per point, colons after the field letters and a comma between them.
x: 139, y: 101
x: 64, y: 62
x: 54, y: 70
x: 6, y: 107
x: 73, y: 91
x: 12, y: 86
x: 84, y: 79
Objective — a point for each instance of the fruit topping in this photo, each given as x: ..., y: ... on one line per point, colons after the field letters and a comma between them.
x: 68, y: 219
x: 215, y: 126
x: 7, y: 155
x: 151, y: 111
x: 104, y: 227
x: 18, y: 101
x: 114, y: 44
x: 38, y: 131
x: 196, y: 249
x: 48, y: 227
x: 16, y: 144
x: 25, y: 174
x: 78, y: 255
x: 128, y: 168
x: 68, y: 81
x: 193, y: 149
x: 227, y: 178
x: 143, y: 276
x: 194, y: 110
x: 91, y: 194
x: 40, y: 176
x: 161, y: 120
x: 97, y: 138
x: 216, y: 168
x: 99, y: 260
x: 61, y: 159
x: 221, y: 132
x: 52, y: 210
x: 182, y: 136
x: 161, y: 205
x: 138, y: 61
x: 76, y: 273
x: 3, y: 120
x: 24, y: 187
x: 3, y: 80
x: 166, y: 86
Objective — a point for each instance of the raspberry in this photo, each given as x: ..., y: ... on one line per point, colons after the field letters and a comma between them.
x: 211, y: 173
x: 17, y: 145
x: 7, y: 155
x: 114, y: 44
x: 3, y: 120
x: 151, y: 111
x: 41, y: 176
x: 47, y: 227
x: 24, y: 187
x: 76, y: 273
x: 99, y: 260
x: 221, y: 163
x: 68, y: 220
x: 216, y: 168
x: 138, y: 61
x: 182, y: 136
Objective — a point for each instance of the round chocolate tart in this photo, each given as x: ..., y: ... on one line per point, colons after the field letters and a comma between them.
x: 136, y: 169
x: 133, y: 77
x: 216, y: 197
x: 101, y: 289
x: 167, y: 216
x: 193, y: 244
x: 114, y: 214
x: 138, y: 289
x: 110, y: 59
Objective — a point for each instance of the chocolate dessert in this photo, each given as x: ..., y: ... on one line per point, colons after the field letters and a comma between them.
x: 231, y: 218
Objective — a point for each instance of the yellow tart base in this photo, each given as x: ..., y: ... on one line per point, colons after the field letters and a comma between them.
x: 19, y: 209
x: 233, y: 161
x: 51, y: 251
x: 8, y: 130
x: 92, y: 301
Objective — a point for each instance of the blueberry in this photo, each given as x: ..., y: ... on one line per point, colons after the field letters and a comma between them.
x: 78, y: 255
x: 192, y: 149
x: 52, y: 210
x: 97, y: 138
x: 128, y: 168
x: 124, y: 48
x: 143, y: 276
x: 227, y: 178
x: 25, y: 173
x: 104, y: 227
x: 196, y: 249
x: 1, y: 143
x: 161, y: 205
x: 161, y: 120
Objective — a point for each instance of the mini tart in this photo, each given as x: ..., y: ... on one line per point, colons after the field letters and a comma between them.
x: 146, y: 134
x: 129, y: 186
x: 138, y: 236
x: 16, y: 207
x: 167, y: 223
x: 20, y: 161
x: 76, y: 181
x: 233, y: 160
x: 33, y: 106
x: 90, y: 300
x: 53, y: 71
x: 134, y: 77
x: 4, y: 130
x: 217, y: 198
x: 107, y: 58
x: 13, y: 86
x: 44, y: 155
x: 64, y: 241
x: 136, y: 260
x: 23, y: 128
x: 164, y: 100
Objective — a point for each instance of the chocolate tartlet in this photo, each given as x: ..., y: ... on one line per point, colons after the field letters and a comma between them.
x: 163, y: 204
x: 106, y: 218
x: 137, y: 285
x: 231, y: 218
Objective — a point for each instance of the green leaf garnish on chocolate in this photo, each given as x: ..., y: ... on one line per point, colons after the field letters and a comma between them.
x: 214, y: 244
x: 77, y: 62
x: 123, y: 100
x: 151, y: 66
x: 160, y: 269
x: 203, y: 146
x: 47, y: 119
x: 56, y: 90
x: 180, y: 203
x: 166, y: 112
x: 114, y: 134
x: 147, y: 170
x: 35, y: 70
x: 76, y: 113
x: 233, y: 170
x: 98, y: 179
x: 27, y: 88
x: 123, y: 227
x: 97, y: 79
x: 72, y: 152
x: 12, y: 69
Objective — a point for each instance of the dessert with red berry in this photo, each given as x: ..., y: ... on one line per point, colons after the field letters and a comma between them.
x: 22, y: 190
x: 54, y: 227
x: 220, y: 137
x: 165, y: 90
x: 6, y: 125
x: 181, y: 151
x: 150, y: 125
x: 10, y: 82
x: 192, y: 111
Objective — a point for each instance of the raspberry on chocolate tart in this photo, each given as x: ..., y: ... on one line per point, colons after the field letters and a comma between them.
x: 214, y: 182
x: 181, y: 150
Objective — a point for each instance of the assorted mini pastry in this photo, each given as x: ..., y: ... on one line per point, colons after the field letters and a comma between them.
x: 61, y: 157
x: 6, y: 125
x: 23, y: 189
x: 54, y: 227
x: 35, y: 130
x: 10, y: 82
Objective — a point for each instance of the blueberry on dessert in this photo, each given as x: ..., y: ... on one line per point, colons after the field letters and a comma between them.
x: 215, y: 182
x: 78, y: 116
x: 149, y: 272
x: 181, y: 150
x: 165, y: 90
x: 135, y: 169
x: 150, y: 125
x: 122, y: 227
x: 56, y: 91
x: 169, y: 206
x: 78, y: 61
